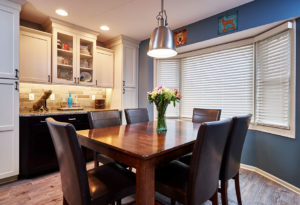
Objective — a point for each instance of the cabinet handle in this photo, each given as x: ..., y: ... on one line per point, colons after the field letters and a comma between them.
x: 75, y: 79
x: 17, y: 86
x: 17, y: 73
x: 123, y: 90
x: 78, y: 80
x: 123, y: 82
x: 96, y: 82
x: 72, y: 119
x: 43, y: 121
x: 49, y: 78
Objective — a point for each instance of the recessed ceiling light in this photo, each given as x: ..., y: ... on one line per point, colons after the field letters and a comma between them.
x: 104, y: 28
x: 61, y: 12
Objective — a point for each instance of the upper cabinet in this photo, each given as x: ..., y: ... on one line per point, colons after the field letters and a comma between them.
x: 73, y: 53
x: 104, y: 64
x: 9, y: 40
x: 35, y: 56
x: 130, y: 65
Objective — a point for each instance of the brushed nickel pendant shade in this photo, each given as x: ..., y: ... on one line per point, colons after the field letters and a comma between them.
x: 162, y: 43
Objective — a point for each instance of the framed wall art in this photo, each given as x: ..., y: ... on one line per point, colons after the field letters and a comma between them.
x: 228, y: 23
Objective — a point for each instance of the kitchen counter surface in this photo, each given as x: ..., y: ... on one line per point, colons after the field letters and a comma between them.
x: 57, y: 112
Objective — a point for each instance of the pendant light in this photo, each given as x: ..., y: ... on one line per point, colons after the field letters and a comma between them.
x: 162, y: 43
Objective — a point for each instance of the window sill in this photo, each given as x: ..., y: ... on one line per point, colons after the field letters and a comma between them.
x: 289, y: 133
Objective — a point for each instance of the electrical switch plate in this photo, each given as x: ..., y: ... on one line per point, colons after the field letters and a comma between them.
x: 31, y: 96
x: 52, y: 96
x: 93, y: 97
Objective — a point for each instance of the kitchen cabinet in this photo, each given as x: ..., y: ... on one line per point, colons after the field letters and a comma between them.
x: 37, y: 153
x: 124, y: 94
x: 35, y: 56
x: 104, y: 65
x: 130, y: 65
x: 9, y: 128
x: 9, y: 39
x: 73, y: 53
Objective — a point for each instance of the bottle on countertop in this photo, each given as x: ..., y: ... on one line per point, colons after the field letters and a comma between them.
x: 70, y: 100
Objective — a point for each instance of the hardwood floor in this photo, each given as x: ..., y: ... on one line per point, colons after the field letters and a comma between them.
x: 256, y: 190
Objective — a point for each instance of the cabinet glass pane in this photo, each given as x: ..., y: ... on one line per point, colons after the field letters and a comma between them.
x: 86, y: 61
x: 64, y: 57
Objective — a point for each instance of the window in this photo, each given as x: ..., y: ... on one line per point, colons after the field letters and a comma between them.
x: 222, y: 80
x: 168, y: 76
x: 273, y: 73
x: 243, y: 77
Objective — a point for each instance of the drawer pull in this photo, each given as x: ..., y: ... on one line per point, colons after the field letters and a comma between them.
x: 72, y: 119
x: 43, y: 121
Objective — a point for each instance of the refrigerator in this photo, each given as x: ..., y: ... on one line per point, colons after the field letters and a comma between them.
x: 9, y: 90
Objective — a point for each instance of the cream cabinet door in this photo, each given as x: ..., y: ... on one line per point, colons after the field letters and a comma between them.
x: 130, y: 59
x: 35, y: 57
x: 104, y: 69
x: 9, y: 129
x: 9, y: 42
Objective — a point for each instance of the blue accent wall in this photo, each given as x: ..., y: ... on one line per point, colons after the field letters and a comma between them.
x: 274, y: 154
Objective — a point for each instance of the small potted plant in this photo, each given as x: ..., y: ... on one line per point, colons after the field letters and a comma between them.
x: 162, y: 97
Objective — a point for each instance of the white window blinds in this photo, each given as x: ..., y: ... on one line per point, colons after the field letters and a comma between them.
x: 273, y: 67
x: 168, y: 76
x: 222, y: 80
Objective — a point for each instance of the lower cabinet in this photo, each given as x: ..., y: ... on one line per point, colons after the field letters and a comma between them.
x: 37, y: 153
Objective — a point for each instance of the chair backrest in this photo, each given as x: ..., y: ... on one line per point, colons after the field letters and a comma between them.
x: 206, y: 161
x: 234, y: 146
x: 105, y: 118
x: 206, y: 115
x: 136, y: 115
x: 71, y: 162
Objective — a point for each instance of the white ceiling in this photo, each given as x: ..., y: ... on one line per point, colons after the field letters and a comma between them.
x: 133, y: 18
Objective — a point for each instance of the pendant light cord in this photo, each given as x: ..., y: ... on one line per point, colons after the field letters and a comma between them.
x: 162, y: 13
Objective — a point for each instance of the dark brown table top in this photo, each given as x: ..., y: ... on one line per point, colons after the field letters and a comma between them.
x: 142, y: 140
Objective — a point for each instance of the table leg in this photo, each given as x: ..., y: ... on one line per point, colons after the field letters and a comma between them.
x: 145, y: 184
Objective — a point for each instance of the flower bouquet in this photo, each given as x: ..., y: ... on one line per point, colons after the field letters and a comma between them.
x: 162, y: 97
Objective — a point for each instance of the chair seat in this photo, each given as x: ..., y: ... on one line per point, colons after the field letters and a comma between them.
x: 110, y: 182
x: 172, y: 180
x: 186, y: 159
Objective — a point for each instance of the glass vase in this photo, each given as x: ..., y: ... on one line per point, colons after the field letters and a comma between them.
x: 161, y: 117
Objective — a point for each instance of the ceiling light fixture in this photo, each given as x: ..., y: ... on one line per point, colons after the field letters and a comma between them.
x: 104, y: 28
x: 162, y: 43
x: 61, y: 12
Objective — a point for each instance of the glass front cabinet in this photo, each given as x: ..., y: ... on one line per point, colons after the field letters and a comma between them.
x: 73, y: 53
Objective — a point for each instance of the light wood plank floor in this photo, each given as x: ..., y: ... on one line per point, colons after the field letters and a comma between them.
x: 256, y: 190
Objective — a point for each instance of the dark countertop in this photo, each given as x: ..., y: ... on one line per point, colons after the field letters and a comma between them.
x: 57, y: 112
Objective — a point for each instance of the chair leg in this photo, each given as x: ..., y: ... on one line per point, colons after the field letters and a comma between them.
x: 224, y: 190
x: 237, y: 188
x: 173, y: 202
x: 214, y: 199
x: 65, y: 201
x: 96, y: 164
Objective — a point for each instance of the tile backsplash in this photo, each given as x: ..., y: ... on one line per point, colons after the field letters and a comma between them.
x: 61, y: 92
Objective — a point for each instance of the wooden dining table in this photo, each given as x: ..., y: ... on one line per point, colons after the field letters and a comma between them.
x: 141, y: 146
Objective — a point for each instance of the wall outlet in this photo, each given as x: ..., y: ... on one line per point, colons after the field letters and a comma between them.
x: 93, y: 97
x: 31, y: 96
x: 52, y: 96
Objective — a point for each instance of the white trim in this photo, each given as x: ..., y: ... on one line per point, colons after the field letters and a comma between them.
x: 271, y: 177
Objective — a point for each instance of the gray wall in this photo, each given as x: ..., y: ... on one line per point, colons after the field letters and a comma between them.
x: 274, y: 154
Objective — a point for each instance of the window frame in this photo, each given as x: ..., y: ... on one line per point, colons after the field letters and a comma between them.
x: 290, y: 133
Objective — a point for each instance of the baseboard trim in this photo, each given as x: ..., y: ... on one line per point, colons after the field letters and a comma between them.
x: 8, y: 180
x: 271, y: 177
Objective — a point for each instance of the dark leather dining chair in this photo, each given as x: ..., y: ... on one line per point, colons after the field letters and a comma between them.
x: 103, y: 185
x: 205, y: 115
x: 136, y: 115
x: 101, y: 119
x: 197, y: 183
x: 232, y: 156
